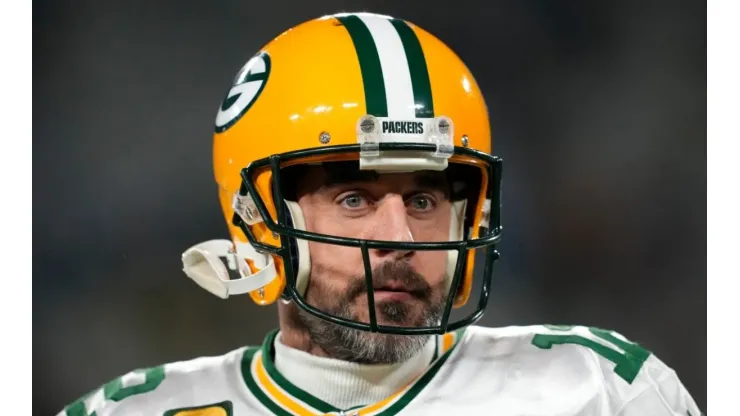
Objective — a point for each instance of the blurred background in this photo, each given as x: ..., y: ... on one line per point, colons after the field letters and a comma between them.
x: 598, y: 109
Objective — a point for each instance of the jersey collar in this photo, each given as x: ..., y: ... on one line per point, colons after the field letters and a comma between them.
x: 282, y: 397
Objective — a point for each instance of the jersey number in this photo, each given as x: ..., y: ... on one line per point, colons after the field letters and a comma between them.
x: 628, y: 363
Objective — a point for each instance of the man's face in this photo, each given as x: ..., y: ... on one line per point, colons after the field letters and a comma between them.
x: 409, y: 286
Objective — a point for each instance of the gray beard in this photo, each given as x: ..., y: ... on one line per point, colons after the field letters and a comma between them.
x: 366, y: 347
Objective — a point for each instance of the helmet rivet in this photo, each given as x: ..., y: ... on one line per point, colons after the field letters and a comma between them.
x: 324, y: 137
x: 367, y: 125
x: 465, y: 140
x: 261, y: 292
x: 443, y: 126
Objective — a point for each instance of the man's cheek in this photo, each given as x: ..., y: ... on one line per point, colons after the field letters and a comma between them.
x: 346, y: 261
x: 432, y: 265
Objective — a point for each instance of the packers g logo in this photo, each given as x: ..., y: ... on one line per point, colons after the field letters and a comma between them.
x: 248, y: 84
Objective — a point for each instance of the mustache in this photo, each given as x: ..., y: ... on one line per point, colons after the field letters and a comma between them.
x: 399, y: 273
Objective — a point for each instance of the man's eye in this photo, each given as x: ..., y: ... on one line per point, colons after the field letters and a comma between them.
x: 421, y: 203
x: 353, y: 201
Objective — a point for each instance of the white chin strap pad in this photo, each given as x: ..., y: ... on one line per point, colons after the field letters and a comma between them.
x: 203, y: 264
x: 457, y: 229
x: 304, y: 256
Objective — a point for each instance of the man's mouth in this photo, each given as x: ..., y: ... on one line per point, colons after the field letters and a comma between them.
x: 391, y: 287
x: 395, y: 292
x: 389, y: 295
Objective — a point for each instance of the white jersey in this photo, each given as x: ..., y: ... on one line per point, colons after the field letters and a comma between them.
x: 512, y: 371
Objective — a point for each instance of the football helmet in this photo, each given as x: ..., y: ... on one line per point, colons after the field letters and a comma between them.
x: 371, y: 89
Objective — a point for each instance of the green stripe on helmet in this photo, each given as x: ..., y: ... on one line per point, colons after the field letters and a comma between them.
x: 372, y: 73
x: 418, y: 68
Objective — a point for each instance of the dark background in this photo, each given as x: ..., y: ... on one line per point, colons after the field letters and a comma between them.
x: 598, y: 109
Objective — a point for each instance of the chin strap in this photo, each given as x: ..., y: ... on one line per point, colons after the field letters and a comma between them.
x: 203, y: 263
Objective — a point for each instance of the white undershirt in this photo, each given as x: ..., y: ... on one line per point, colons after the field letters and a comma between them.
x: 344, y: 384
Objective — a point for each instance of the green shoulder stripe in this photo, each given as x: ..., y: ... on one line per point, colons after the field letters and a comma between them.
x: 114, y: 391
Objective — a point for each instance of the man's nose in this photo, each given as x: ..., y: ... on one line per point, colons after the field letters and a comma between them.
x: 391, y: 224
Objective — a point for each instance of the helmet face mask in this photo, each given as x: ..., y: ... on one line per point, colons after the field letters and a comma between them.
x: 382, y: 95
x: 283, y: 226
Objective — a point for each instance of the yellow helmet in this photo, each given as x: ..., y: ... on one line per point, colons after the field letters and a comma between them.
x: 346, y: 87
